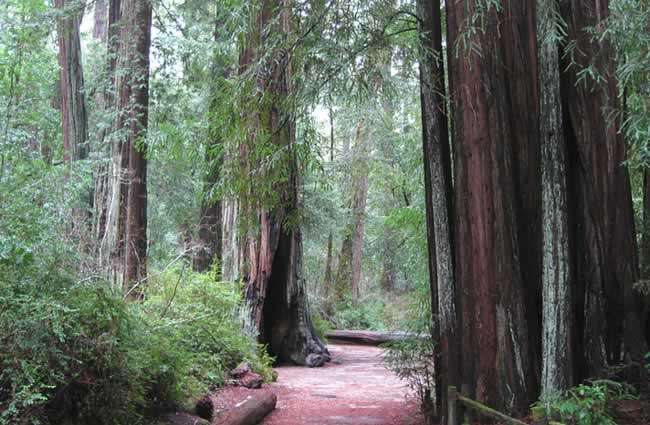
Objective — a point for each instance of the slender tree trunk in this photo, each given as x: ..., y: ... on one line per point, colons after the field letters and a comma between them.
x: 210, y: 234
x: 438, y: 191
x: 608, y: 312
x: 645, y: 241
x: 232, y: 245
x: 348, y: 275
x: 73, y: 106
x: 275, y: 288
x: 388, y: 270
x: 557, y: 359
x: 328, y: 281
x: 494, y: 137
x: 133, y: 98
x: 110, y: 185
x: 100, y: 28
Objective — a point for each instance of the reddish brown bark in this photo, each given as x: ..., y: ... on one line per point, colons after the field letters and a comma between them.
x: 132, y: 86
x: 494, y: 108
x: 275, y: 289
x: 606, y: 263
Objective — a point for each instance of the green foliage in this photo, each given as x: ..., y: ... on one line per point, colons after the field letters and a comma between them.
x: 321, y: 326
x: 64, y: 355
x: 201, y: 316
x: 80, y: 353
x: 412, y: 361
x: 367, y: 313
x: 587, y: 404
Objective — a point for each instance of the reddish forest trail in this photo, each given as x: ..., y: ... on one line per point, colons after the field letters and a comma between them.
x: 354, y: 388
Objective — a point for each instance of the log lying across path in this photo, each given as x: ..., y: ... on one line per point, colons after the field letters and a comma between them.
x: 370, y: 337
x: 251, y: 411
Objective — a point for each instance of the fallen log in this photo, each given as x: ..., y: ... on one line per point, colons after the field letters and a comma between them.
x: 250, y: 411
x: 181, y: 418
x: 370, y: 337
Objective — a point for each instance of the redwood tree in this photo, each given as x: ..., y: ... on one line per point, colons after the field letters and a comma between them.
x: 496, y: 159
x: 275, y: 289
x: 348, y: 274
x: 438, y: 192
x: 210, y: 233
x: 73, y: 106
x: 557, y: 361
x: 605, y: 255
x: 132, y: 87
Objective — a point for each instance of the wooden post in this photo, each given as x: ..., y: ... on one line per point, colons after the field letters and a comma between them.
x: 452, y: 414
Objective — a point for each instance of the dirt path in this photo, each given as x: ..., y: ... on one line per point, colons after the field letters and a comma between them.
x: 355, y: 388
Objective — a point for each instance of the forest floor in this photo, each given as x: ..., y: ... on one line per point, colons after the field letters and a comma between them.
x: 354, y: 388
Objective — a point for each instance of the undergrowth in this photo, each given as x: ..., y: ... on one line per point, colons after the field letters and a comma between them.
x: 77, y: 353
x: 586, y: 404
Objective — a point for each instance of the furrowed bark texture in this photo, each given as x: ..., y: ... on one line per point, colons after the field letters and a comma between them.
x: 132, y: 86
x: 232, y: 252
x: 557, y: 359
x: 110, y: 187
x: 73, y: 106
x: 438, y: 191
x: 275, y: 288
x: 105, y: 20
x: 605, y: 255
x: 494, y: 102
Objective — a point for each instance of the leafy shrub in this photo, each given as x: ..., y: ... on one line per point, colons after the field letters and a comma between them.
x: 367, y: 313
x: 77, y: 353
x: 321, y: 326
x: 63, y: 355
x: 200, y: 315
x: 587, y: 404
x: 412, y: 361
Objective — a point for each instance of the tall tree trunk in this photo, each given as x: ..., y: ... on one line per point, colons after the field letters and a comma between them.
x: 645, y: 250
x: 494, y: 147
x: 73, y: 106
x: 232, y: 250
x: 328, y: 280
x: 100, y: 27
x: 645, y: 241
x: 110, y: 187
x: 210, y: 234
x: 438, y: 192
x: 388, y: 268
x: 348, y: 275
x: 557, y: 359
x: 132, y: 86
x: 101, y: 187
x: 608, y: 315
x: 275, y: 288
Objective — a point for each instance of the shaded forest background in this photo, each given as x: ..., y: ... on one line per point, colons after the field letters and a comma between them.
x: 185, y: 185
